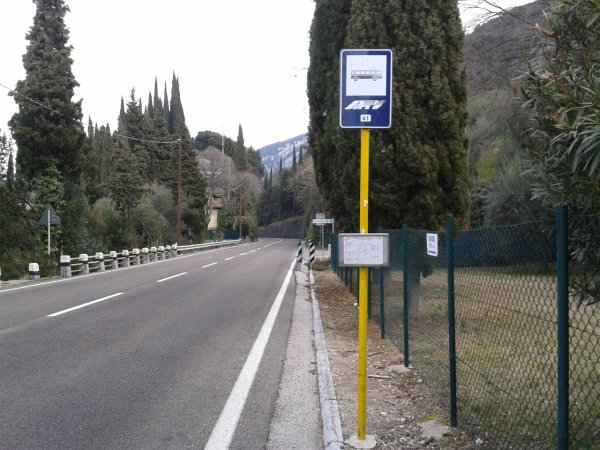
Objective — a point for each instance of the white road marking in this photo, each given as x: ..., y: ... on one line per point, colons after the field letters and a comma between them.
x: 231, y: 257
x: 242, y: 254
x: 84, y: 305
x: 224, y: 429
x: 208, y: 265
x: 172, y: 276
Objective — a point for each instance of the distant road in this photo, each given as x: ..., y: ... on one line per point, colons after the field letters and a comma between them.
x: 146, y: 357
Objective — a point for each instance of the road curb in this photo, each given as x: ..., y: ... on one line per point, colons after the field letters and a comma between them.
x: 332, y: 425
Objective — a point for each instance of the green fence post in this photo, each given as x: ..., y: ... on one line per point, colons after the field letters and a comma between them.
x: 451, y: 320
x: 562, y: 298
x: 405, y: 290
x: 381, y: 303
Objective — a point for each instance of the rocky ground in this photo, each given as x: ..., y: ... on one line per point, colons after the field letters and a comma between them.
x: 402, y: 413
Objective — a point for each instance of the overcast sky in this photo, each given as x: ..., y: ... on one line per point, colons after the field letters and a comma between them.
x: 238, y: 61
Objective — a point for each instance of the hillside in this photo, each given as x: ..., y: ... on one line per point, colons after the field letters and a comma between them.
x: 270, y: 154
x: 497, y: 50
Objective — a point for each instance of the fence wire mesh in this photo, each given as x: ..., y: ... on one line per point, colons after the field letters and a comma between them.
x: 505, y: 297
x: 584, y: 332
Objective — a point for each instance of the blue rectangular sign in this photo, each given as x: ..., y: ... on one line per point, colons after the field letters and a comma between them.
x: 366, y: 89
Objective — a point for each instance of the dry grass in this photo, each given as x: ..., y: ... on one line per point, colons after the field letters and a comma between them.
x: 506, y: 353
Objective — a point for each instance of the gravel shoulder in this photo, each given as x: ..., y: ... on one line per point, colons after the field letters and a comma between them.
x: 402, y: 412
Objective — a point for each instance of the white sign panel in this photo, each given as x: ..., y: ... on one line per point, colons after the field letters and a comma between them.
x: 366, y: 75
x: 363, y: 250
x: 432, y: 244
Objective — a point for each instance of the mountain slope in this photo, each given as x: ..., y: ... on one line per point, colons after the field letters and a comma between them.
x: 270, y: 154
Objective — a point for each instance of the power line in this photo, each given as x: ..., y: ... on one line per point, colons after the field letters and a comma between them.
x: 61, y: 114
x: 31, y: 100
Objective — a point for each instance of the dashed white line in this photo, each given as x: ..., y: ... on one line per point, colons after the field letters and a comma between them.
x: 231, y: 257
x: 242, y: 254
x: 172, y: 276
x: 208, y: 265
x: 84, y: 305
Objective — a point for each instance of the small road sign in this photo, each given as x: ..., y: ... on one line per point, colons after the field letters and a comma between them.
x: 49, y: 215
x: 366, y: 89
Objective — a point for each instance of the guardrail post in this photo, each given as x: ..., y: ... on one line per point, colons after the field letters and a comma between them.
x: 34, y: 271
x: 0, y: 278
x: 100, y: 258
x: 167, y: 254
x: 85, y: 264
x: 65, y: 266
x: 125, y: 255
x: 152, y: 253
x: 145, y: 256
x: 115, y: 260
x: 174, y: 250
x: 161, y: 253
x: 136, y: 256
x: 562, y: 300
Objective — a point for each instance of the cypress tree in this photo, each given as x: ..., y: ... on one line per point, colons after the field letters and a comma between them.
x: 294, y: 168
x: 150, y: 110
x: 176, y: 115
x: 327, y: 34
x: 52, y: 134
x: 419, y: 173
x: 10, y: 171
x: 240, y: 158
x: 121, y: 126
x: 157, y: 102
x: 166, y: 106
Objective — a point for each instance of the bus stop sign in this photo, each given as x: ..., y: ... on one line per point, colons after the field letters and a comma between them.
x: 366, y: 89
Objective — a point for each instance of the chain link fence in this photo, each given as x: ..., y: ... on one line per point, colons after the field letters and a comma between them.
x: 486, y: 326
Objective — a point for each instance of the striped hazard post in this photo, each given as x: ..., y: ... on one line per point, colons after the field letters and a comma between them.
x: 299, y: 254
x: 311, y: 252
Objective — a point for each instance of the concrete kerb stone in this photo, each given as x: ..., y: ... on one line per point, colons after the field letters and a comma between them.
x: 333, y: 438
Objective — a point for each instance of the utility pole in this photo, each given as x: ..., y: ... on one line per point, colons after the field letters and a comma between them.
x: 179, y: 195
x: 241, y: 209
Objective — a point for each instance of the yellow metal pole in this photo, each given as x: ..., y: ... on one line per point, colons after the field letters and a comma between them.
x: 362, y: 287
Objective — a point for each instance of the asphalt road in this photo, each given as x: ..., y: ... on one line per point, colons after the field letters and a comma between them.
x: 151, y: 358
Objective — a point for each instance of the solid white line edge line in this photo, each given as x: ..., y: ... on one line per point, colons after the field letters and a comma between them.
x: 84, y: 305
x: 224, y: 429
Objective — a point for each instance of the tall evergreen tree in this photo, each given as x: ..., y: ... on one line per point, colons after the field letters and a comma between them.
x: 158, y: 110
x: 165, y: 103
x: 419, y: 173
x: 176, y: 115
x: 122, y: 125
x: 10, y: 171
x: 150, y: 110
x: 294, y: 163
x: 240, y: 158
x: 327, y: 34
x: 5, y: 157
x: 47, y: 128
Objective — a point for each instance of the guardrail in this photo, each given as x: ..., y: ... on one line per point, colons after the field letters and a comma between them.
x: 100, y: 262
